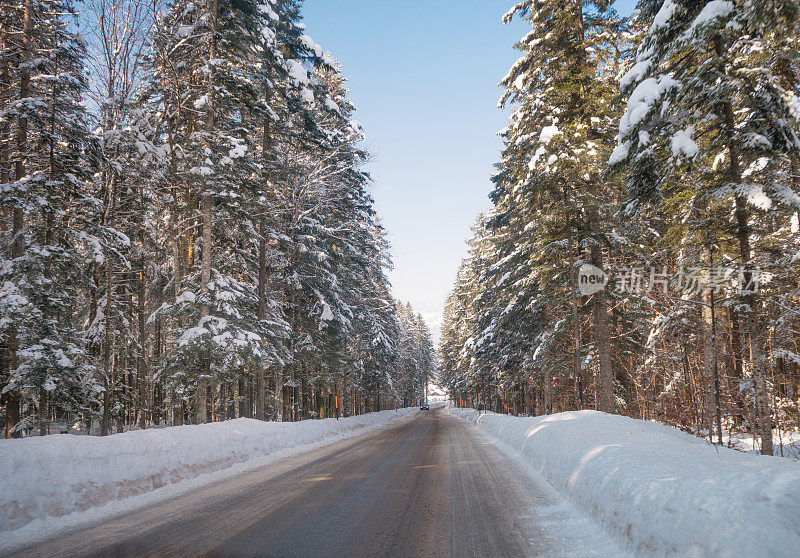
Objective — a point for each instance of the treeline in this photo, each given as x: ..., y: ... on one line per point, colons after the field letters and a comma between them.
x: 186, y: 234
x: 662, y: 149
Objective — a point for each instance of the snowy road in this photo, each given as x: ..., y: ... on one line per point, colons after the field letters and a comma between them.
x: 429, y: 486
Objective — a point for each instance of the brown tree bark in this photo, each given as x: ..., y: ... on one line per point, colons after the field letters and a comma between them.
x: 141, y: 364
x: 262, y: 278
x: 605, y: 378
x: 755, y: 326
x: 206, y: 210
x: 12, y: 398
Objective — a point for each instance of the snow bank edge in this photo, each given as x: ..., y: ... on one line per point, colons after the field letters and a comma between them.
x: 52, y: 477
x: 662, y: 491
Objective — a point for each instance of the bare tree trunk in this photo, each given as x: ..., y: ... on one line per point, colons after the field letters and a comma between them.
x: 241, y: 397
x: 13, y: 402
x: 5, y: 125
x: 756, y: 329
x: 715, y: 368
x: 576, y: 333
x: 7, y: 364
x: 735, y: 363
x: 107, y: 344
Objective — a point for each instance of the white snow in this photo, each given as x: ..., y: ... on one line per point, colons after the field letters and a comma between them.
x: 201, y: 102
x: 794, y: 105
x: 548, y: 133
x: 757, y: 197
x: 642, y: 99
x: 620, y: 153
x: 307, y: 95
x: 185, y: 296
x: 660, y: 490
x: 328, y: 59
x: 713, y: 10
x: 267, y: 9
x: 683, y: 144
x: 330, y: 104
x: 786, y: 443
x: 664, y: 15
x: 238, y: 150
x: 297, y: 72
x: 327, y: 314
x: 636, y: 73
x: 49, y: 477
x: 311, y: 46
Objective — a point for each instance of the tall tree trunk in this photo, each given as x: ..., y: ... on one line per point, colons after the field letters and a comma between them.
x: 709, y: 356
x: 241, y: 396
x: 715, y: 367
x: 206, y: 209
x: 548, y: 391
x: 755, y: 325
x: 141, y: 365
x: 757, y: 330
x: 262, y: 277
x: 205, y: 279
x: 107, y: 341
x: 576, y: 332
x: 605, y: 379
x: 13, y: 402
x: 5, y: 125
x: 735, y: 363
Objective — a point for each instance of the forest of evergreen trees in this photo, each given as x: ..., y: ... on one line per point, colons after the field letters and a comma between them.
x: 663, y: 149
x: 186, y: 234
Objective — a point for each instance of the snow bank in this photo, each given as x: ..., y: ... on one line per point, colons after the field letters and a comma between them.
x: 56, y: 475
x: 663, y: 491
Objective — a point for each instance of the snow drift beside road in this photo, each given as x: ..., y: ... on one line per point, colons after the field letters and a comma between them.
x: 56, y: 475
x: 664, y: 491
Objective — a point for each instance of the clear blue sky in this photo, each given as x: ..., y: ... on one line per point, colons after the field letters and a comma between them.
x: 423, y: 76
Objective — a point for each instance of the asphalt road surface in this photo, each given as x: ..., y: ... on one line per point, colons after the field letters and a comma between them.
x: 428, y: 486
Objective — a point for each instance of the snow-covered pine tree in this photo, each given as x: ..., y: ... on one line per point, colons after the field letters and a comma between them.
x: 228, y: 202
x: 116, y: 35
x: 48, y: 159
x: 416, y: 355
x: 201, y: 82
x: 550, y: 185
x: 709, y: 134
x: 457, y: 343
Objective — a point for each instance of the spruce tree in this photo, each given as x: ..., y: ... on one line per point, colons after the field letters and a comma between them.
x: 49, y: 158
x: 550, y: 188
x: 709, y: 132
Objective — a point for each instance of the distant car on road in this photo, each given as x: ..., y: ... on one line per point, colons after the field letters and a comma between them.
x: 424, y: 406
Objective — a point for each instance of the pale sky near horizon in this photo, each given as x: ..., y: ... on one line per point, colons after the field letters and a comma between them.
x: 423, y: 76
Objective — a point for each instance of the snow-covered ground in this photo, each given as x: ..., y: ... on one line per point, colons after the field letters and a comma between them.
x: 53, y: 481
x: 660, y: 490
x: 785, y: 442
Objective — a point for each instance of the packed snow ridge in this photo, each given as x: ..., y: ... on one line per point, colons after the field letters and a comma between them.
x: 660, y: 490
x: 48, y: 477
